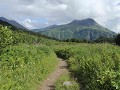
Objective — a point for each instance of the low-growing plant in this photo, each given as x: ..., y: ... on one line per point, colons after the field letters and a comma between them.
x: 59, y: 85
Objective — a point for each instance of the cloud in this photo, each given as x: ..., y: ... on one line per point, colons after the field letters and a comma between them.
x: 27, y: 23
x: 105, y: 12
x: 118, y: 27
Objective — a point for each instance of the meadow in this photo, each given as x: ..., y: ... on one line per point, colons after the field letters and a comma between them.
x: 27, y: 59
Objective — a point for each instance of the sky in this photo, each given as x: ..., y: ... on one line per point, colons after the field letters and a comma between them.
x: 42, y: 13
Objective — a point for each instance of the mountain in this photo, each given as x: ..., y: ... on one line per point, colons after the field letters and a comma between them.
x: 12, y: 22
x: 43, y: 29
x: 87, y: 29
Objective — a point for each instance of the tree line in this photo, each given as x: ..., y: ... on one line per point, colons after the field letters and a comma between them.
x: 115, y: 40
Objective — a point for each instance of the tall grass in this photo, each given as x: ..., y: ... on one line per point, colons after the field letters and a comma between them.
x: 96, y: 66
x: 23, y: 67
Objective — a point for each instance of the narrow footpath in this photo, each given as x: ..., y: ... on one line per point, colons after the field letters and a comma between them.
x: 48, y: 84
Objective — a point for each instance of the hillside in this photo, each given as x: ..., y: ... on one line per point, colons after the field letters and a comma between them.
x: 26, y: 36
x: 12, y: 22
x: 6, y: 24
x: 43, y: 29
x: 87, y: 29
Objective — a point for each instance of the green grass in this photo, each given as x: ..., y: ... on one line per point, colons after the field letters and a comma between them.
x: 64, y: 78
x: 24, y: 67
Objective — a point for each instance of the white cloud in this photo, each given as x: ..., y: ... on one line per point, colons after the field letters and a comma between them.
x: 118, y: 28
x: 106, y: 12
x: 28, y: 23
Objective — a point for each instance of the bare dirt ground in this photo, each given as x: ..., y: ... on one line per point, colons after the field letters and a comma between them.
x: 48, y: 84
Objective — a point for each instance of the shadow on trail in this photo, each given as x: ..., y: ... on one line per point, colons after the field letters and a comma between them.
x: 63, y: 67
x: 52, y: 87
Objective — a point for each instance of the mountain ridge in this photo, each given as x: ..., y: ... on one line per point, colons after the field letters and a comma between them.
x: 84, y: 22
x: 13, y: 23
x: 87, y: 29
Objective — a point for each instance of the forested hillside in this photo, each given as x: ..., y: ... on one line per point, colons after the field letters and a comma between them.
x: 87, y: 29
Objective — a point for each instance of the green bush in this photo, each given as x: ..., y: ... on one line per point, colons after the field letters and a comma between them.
x: 5, y: 37
x: 23, y: 67
x: 96, y: 66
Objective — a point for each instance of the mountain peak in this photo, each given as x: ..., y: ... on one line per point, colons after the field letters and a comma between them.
x: 13, y: 23
x: 87, y: 29
x: 52, y: 26
x: 84, y: 22
x: 89, y: 19
x: 3, y: 18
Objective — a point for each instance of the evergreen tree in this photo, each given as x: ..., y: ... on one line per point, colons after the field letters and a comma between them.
x: 117, y: 39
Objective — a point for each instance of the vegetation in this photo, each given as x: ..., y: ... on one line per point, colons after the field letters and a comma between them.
x: 105, y: 40
x: 59, y: 85
x: 27, y: 58
x: 117, y: 39
x: 23, y: 67
x: 5, y: 37
x: 77, y: 40
x: 96, y: 66
x: 87, y: 29
x: 23, y: 63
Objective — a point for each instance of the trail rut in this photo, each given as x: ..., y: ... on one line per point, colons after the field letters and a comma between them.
x: 48, y: 84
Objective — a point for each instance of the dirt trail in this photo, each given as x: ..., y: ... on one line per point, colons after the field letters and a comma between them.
x: 48, y: 84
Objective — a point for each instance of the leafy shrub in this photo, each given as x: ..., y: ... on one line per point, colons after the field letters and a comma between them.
x: 65, y: 54
x: 23, y: 67
x: 96, y: 66
x: 5, y: 37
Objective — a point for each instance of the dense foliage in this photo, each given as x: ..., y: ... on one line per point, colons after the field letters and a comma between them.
x: 24, y: 61
x: 96, y: 66
x: 5, y: 37
x: 27, y: 58
x: 117, y: 39
x: 105, y: 40
x: 23, y: 67
x: 27, y: 37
